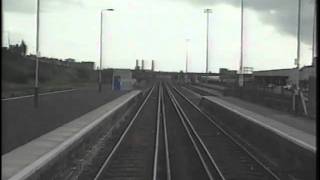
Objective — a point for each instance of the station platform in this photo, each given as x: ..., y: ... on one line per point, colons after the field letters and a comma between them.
x: 298, y: 122
x: 299, y: 130
x: 26, y: 160
x: 213, y: 92
x: 212, y: 86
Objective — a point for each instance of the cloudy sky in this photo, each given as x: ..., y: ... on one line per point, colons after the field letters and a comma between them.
x: 158, y: 29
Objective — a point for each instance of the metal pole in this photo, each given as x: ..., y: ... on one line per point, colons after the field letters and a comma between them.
x: 187, y: 40
x: 36, y: 84
x: 9, y: 39
x: 241, y: 75
x: 314, y: 35
x: 101, y: 32
x: 207, y: 50
x: 100, y: 69
x: 241, y: 43
x: 297, y: 90
x: 298, y: 35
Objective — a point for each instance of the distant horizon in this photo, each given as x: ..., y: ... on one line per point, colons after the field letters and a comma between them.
x: 96, y: 68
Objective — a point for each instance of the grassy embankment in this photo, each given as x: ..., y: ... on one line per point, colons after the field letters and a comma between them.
x: 18, y: 76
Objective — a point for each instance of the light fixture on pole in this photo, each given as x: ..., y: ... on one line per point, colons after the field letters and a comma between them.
x: 101, y: 32
x: 207, y: 11
x: 187, y: 52
x: 36, y: 81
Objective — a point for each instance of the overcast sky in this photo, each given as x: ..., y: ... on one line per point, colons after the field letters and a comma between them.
x: 158, y: 29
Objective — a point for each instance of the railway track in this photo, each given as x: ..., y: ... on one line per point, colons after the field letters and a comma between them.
x: 170, y: 138
x: 230, y: 158
x: 132, y: 156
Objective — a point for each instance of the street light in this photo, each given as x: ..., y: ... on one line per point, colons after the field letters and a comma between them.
x: 241, y: 44
x: 297, y: 90
x: 298, y: 36
x: 207, y: 11
x: 101, y: 30
x: 187, y: 41
x: 36, y: 82
x: 314, y: 35
x: 241, y: 76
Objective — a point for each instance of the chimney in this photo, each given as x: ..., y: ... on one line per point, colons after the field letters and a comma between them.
x: 137, y: 65
x: 152, y: 65
x: 142, y: 64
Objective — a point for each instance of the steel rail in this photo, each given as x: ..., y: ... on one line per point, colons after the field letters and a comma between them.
x: 201, y: 142
x: 156, y: 147
x: 106, y: 162
x: 166, y: 143
x: 228, y: 135
x: 173, y: 101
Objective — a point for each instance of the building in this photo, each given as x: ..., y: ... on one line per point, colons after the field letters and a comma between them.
x: 70, y: 60
x: 283, y: 77
x: 227, y: 76
x: 122, y: 79
x: 279, y: 77
x: 19, y: 49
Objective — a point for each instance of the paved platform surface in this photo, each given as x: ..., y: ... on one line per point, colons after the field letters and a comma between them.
x: 300, y: 128
x: 208, y: 90
x: 284, y: 125
x: 24, y: 160
x: 213, y: 86
x: 301, y: 123
x: 21, y: 122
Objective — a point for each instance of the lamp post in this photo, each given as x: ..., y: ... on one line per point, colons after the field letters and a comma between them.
x: 187, y: 47
x: 314, y: 37
x: 241, y: 44
x: 298, y: 36
x: 207, y: 11
x: 241, y: 76
x: 297, y: 91
x: 36, y: 81
x: 8, y: 39
x: 101, y: 30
